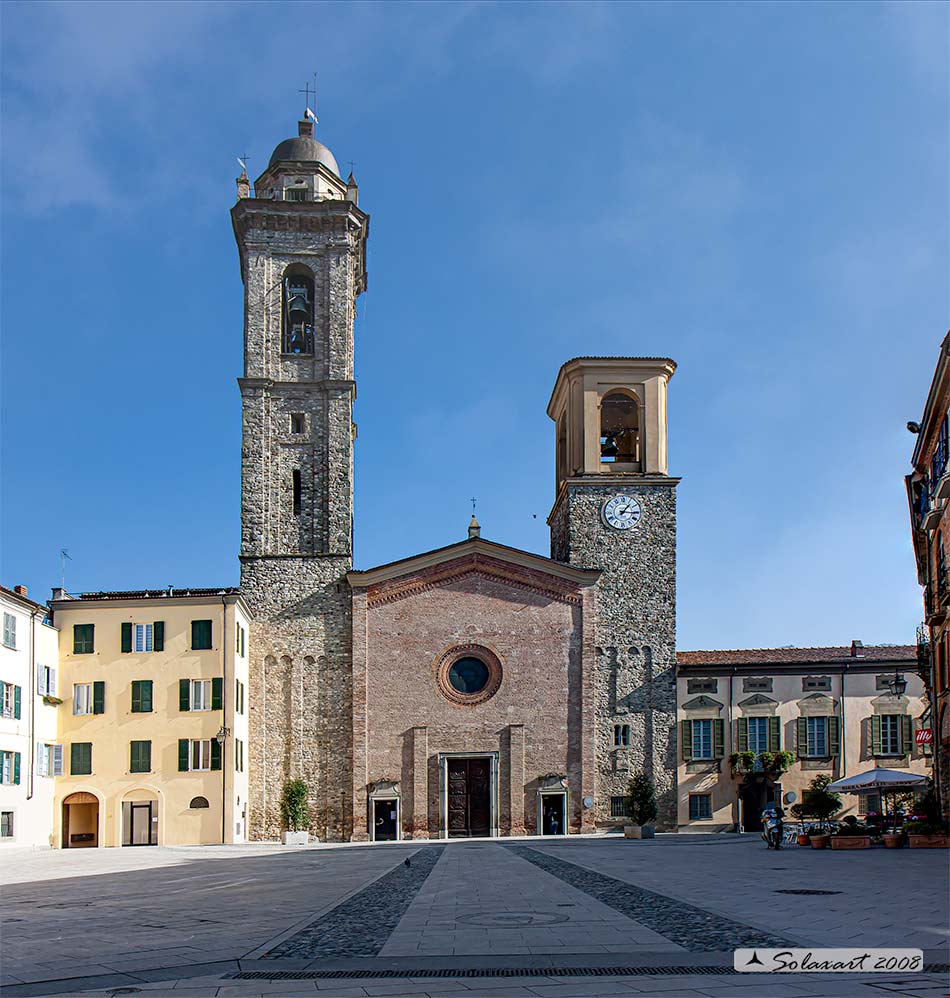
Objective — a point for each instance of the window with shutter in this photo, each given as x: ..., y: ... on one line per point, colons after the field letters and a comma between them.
x: 686, y: 740
x: 702, y: 739
x: 82, y: 699
x: 143, y: 637
x: 775, y: 734
x: 215, y: 754
x: 742, y: 734
x: 56, y: 763
x: 184, y: 694
x: 816, y: 741
x: 6, y: 768
x: 84, y: 639
x: 184, y: 748
x: 80, y: 759
x: 758, y: 734
x: 141, y: 757
x: 200, y: 635
x: 98, y: 698
x: 217, y: 694
x: 700, y: 807
x: 6, y: 699
x: 142, y: 696
x: 17, y: 702
x: 126, y: 638
x: 890, y: 734
x: 201, y: 694
x: 158, y: 635
x: 9, y: 630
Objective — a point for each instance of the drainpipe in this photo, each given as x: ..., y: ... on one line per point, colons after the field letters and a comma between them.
x: 843, y: 759
x: 729, y: 721
x: 31, y: 696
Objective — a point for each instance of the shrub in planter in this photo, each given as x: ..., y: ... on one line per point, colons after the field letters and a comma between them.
x: 851, y: 835
x: 641, y: 808
x: 928, y: 834
x: 295, y: 813
x: 893, y: 840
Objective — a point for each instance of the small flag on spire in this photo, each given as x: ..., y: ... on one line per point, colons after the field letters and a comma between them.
x: 312, y: 117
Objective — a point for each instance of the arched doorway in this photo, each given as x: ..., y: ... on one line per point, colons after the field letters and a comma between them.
x: 755, y: 793
x: 81, y: 821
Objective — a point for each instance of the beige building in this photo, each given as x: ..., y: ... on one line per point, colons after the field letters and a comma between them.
x: 153, y: 726
x: 28, y: 715
x: 834, y: 709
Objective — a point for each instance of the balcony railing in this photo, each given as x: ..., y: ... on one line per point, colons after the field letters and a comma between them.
x: 298, y: 194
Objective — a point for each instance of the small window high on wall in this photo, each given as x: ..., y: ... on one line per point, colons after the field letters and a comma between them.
x: 619, y: 429
x: 297, y: 313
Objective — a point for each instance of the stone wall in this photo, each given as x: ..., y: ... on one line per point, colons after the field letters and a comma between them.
x: 635, y: 631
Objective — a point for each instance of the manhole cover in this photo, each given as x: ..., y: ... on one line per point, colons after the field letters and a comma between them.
x: 808, y: 892
x: 508, y: 919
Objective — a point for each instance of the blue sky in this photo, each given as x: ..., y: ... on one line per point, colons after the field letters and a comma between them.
x: 758, y: 191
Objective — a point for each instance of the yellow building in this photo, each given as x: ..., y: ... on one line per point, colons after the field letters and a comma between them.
x: 152, y: 734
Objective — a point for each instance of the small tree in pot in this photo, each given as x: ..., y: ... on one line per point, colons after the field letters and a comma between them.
x: 821, y: 803
x: 641, y: 808
x: 295, y: 813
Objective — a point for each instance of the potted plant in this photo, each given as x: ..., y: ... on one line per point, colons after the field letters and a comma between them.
x: 295, y: 813
x: 851, y: 835
x: 742, y: 762
x: 782, y: 761
x: 641, y: 808
x: 928, y: 834
x: 894, y: 840
x: 799, y: 815
x: 820, y: 803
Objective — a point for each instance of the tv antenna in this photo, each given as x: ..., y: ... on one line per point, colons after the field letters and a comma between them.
x: 63, y: 558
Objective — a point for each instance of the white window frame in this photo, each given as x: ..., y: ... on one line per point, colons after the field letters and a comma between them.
x: 12, y: 821
x: 6, y: 768
x: 82, y: 699
x: 890, y: 733
x: 49, y: 759
x: 142, y: 638
x: 7, y: 699
x: 702, y: 730
x: 200, y: 694
x: 816, y: 742
x: 46, y: 680
x: 758, y: 728
x: 9, y: 630
x: 199, y: 751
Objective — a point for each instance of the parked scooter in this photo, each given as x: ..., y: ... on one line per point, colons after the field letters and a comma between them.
x: 773, y: 828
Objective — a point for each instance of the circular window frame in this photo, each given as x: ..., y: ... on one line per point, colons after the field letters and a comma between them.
x: 452, y: 655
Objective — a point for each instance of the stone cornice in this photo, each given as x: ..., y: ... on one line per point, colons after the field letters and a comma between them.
x: 330, y: 384
x: 624, y: 480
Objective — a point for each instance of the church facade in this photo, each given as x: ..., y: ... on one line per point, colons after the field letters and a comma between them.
x: 475, y: 689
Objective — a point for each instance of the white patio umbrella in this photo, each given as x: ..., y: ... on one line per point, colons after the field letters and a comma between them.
x: 885, y: 781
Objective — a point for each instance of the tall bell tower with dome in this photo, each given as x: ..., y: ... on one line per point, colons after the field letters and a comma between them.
x: 301, y: 238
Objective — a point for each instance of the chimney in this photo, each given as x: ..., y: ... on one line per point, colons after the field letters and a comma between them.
x: 857, y: 649
x: 20, y: 590
x: 59, y: 594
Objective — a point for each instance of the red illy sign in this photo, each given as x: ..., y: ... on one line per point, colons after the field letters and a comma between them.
x: 924, y: 736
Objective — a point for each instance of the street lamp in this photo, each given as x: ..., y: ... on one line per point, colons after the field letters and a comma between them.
x: 221, y: 738
x: 898, y: 684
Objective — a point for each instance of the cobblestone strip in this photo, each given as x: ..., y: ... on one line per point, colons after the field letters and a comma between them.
x: 361, y: 925
x: 692, y: 928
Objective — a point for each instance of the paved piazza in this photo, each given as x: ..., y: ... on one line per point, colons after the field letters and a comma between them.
x: 532, y: 917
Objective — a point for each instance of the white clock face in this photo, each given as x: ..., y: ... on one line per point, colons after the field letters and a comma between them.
x: 621, y: 512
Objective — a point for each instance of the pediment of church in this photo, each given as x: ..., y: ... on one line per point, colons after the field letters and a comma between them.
x: 474, y: 558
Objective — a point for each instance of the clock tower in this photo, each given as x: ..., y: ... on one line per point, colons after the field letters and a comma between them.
x: 615, y: 510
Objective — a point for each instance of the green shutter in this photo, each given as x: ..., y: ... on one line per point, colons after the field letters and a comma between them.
x: 126, y: 637
x: 742, y: 734
x: 217, y: 693
x: 184, y: 694
x: 146, y: 695
x: 98, y: 698
x: 200, y: 635
x: 775, y: 734
x: 907, y: 741
x: 876, y: 741
x: 16, y: 703
x: 834, y: 736
x: 136, y: 696
x: 215, y: 754
x: 158, y: 635
x: 80, y: 759
x: 686, y: 739
x: 719, y: 738
x: 183, y: 746
x: 141, y: 757
x: 16, y: 767
x: 801, y: 737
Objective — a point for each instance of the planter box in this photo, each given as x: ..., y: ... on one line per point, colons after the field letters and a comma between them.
x: 850, y: 841
x: 818, y: 841
x: 803, y: 840
x: 638, y: 831
x: 893, y: 841
x: 296, y: 838
x: 929, y: 841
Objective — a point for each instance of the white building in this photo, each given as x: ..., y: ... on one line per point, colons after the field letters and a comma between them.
x: 29, y: 694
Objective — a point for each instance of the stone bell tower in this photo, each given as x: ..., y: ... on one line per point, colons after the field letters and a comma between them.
x: 615, y: 510
x: 302, y: 244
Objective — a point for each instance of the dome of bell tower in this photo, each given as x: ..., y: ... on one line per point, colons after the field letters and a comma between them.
x: 304, y: 149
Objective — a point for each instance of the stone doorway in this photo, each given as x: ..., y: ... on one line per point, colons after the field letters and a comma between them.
x: 553, y: 812
x: 755, y: 793
x: 81, y: 821
x: 468, y: 803
x: 140, y: 823
x: 385, y: 819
